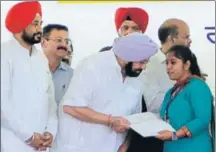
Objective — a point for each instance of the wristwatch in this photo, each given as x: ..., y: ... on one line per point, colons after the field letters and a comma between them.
x: 174, y: 136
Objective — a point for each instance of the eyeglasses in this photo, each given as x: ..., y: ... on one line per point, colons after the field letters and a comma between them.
x: 60, y: 40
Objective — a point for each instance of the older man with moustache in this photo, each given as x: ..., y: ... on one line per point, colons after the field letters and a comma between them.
x: 129, y: 20
x: 100, y: 94
x: 28, y: 109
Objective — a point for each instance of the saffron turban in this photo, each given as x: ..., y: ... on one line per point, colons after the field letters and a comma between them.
x: 21, y: 15
x: 138, y: 15
x: 134, y: 47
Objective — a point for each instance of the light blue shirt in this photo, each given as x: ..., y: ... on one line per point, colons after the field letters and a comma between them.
x: 61, y: 79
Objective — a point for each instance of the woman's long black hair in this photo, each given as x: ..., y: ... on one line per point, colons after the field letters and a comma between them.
x: 185, y: 54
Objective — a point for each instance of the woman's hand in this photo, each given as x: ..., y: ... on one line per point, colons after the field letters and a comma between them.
x: 165, y: 135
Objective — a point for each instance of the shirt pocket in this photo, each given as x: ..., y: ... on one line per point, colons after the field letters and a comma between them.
x: 63, y: 89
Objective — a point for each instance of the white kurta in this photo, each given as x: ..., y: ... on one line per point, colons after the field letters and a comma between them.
x: 97, y: 83
x: 27, y: 97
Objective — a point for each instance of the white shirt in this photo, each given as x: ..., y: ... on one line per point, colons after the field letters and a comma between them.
x: 156, y: 82
x: 27, y: 96
x: 97, y: 83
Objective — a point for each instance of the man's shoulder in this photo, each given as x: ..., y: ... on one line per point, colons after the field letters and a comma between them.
x: 7, y: 44
x: 7, y: 50
x: 159, y: 57
x: 95, y: 57
x: 95, y: 61
x: 41, y: 55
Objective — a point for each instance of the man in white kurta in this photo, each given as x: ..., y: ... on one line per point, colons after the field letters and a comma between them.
x: 28, y: 108
x: 99, y: 92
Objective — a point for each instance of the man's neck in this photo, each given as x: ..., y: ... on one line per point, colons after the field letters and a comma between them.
x: 54, y: 63
x: 165, y: 48
x: 23, y: 43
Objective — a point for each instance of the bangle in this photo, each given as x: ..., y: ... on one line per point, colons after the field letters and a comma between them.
x: 29, y: 141
x: 110, y: 123
x: 174, y: 136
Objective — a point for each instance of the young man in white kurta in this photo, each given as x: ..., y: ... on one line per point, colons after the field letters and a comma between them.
x: 98, y: 84
x: 27, y: 96
x: 28, y: 108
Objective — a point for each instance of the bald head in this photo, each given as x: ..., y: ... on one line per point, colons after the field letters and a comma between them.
x: 173, y: 21
x: 174, y: 31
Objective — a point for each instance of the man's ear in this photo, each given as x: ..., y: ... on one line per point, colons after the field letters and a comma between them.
x: 170, y: 40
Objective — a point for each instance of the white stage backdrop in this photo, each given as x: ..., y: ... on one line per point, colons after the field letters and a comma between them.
x: 92, y: 26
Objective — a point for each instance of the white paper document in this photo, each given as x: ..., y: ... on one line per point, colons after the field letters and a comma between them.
x: 148, y: 124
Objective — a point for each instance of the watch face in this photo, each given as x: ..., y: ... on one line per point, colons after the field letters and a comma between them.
x: 174, y: 136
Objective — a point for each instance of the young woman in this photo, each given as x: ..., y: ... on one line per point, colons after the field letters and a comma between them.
x: 187, y: 106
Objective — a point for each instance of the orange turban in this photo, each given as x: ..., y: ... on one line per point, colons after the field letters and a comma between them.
x: 138, y: 15
x: 21, y: 15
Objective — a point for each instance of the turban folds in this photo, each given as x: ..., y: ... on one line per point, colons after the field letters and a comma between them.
x: 21, y: 15
x: 134, y: 47
x: 138, y: 15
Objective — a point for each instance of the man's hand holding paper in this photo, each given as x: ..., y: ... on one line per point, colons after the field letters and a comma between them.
x: 120, y: 124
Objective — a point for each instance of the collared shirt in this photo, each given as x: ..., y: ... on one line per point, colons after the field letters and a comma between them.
x: 61, y: 78
x: 97, y: 83
x: 27, y: 96
x: 156, y: 82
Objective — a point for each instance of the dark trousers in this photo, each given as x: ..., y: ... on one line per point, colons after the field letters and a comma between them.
x: 141, y: 144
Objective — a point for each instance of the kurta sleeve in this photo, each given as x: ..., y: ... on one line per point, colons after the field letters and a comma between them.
x: 201, y: 102
x: 80, y: 88
x: 8, y: 113
x: 53, y: 119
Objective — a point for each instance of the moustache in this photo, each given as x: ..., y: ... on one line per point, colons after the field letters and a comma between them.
x: 62, y: 48
x: 38, y: 33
